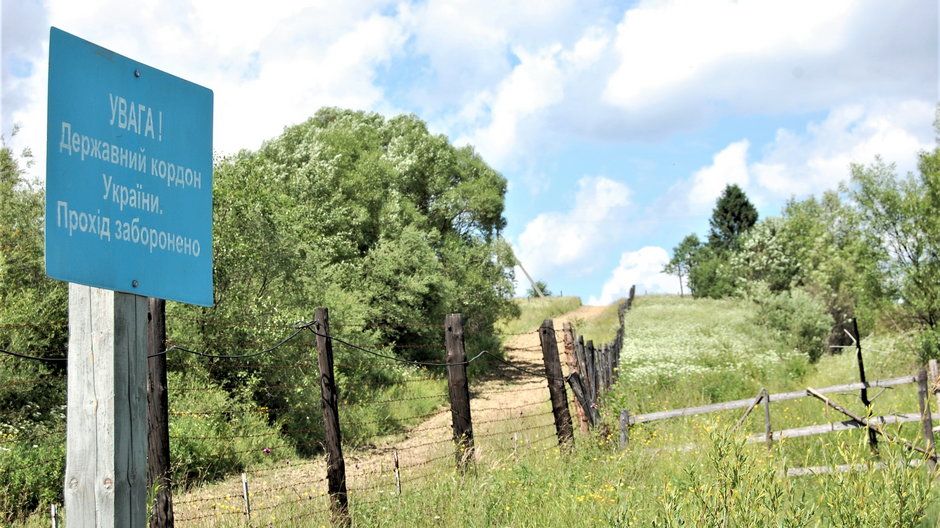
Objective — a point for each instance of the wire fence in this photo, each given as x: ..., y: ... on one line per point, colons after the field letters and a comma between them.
x: 255, y: 410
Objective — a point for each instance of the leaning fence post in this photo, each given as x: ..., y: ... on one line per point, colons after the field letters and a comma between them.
x: 926, y: 419
x: 580, y: 393
x: 556, y: 383
x: 624, y: 428
x: 573, y: 366
x: 872, y: 436
x: 329, y: 403
x: 458, y: 389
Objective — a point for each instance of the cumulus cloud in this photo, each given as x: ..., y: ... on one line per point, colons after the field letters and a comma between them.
x: 642, y: 268
x: 565, y: 239
x: 772, y: 55
x: 809, y: 161
x: 818, y: 158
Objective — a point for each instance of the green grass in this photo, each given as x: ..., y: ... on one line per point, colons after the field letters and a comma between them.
x: 678, y: 353
x: 603, y: 328
x: 536, y: 310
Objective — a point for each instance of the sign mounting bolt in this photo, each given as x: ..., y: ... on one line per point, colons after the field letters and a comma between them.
x: 136, y: 73
x: 134, y: 283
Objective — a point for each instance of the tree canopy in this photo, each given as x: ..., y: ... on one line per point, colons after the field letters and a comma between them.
x: 733, y: 215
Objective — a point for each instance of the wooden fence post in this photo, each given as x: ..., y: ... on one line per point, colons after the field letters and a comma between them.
x: 158, y: 430
x: 106, y: 453
x: 580, y: 393
x: 397, y: 472
x: 573, y: 366
x: 329, y: 403
x: 247, y: 498
x: 926, y: 419
x: 624, y: 428
x: 768, y: 432
x: 591, y: 356
x: 556, y: 384
x: 458, y: 389
x: 934, y: 373
x: 872, y: 436
x: 585, y: 372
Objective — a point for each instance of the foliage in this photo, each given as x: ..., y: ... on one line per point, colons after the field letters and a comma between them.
x: 683, y: 258
x: 795, y: 317
x: 733, y: 215
x: 711, y: 276
x: 539, y: 286
x: 904, y: 213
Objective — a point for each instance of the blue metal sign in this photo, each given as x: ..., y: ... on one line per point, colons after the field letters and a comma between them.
x: 129, y: 175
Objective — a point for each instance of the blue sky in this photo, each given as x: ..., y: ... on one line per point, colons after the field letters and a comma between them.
x: 616, y: 123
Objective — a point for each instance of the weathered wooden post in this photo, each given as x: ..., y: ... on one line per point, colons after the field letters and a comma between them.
x: 768, y: 432
x: 556, y: 384
x: 458, y: 389
x: 573, y: 366
x: 933, y: 380
x: 329, y: 403
x: 397, y: 472
x: 585, y: 371
x: 106, y: 452
x: 926, y: 419
x: 591, y: 357
x: 580, y: 393
x: 158, y: 431
x: 624, y: 428
x: 246, y: 497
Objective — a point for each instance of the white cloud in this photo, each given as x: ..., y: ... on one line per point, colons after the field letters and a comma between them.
x: 818, y: 158
x: 564, y: 239
x: 704, y: 56
x: 537, y: 83
x: 642, y: 268
x: 269, y: 67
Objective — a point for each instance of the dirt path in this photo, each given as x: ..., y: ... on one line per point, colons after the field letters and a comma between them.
x: 509, y: 407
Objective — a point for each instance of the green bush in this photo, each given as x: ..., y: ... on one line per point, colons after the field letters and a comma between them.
x: 795, y: 317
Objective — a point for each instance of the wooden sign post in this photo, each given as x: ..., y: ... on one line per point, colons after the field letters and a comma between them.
x: 128, y: 215
x: 106, y: 455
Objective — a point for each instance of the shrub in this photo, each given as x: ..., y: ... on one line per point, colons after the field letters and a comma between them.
x: 795, y: 317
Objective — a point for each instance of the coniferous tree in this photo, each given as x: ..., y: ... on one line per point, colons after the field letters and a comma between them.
x: 733, y: 215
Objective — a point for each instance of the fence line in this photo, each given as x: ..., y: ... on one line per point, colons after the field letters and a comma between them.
x: 502, y: 429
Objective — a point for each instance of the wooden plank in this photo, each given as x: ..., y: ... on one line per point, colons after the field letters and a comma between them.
x: 159, y: 477
x: 811, y: 430
x: 556, y: 384
x: 329, y: 404
x: 106, y: 451
x: 458, y: 390
x: 738, y: 404
x: 869, y: 424
x: 844, y: 468
x: 934, y: 374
